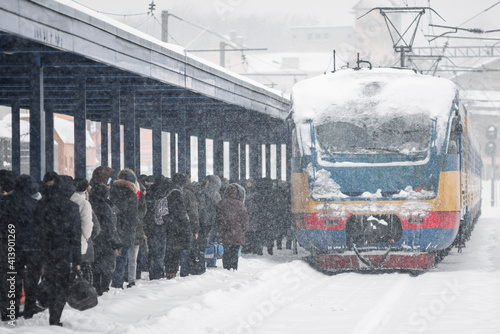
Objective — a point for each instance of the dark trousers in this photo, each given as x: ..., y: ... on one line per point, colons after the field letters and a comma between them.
x: 101, y: 282
x: 230, y: 257
x: 175, y: 257
x: 172, y: 259
x: 58, y: 278
x: 31, y: 272
x: 28, y: 269
x: 157, y: 243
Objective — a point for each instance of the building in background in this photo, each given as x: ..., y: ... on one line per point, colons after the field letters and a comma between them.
x: 64, y: 156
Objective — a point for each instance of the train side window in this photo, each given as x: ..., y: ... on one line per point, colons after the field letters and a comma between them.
x: 456, y: 132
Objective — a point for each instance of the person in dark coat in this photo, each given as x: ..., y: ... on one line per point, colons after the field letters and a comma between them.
x: 266, y: 203
x: 207, y: 209
x: 232, y: 220
x: 123, y: 194
x: 179, y: 232
x: 189, y: 191
x: 156, y: 228
x: 107, y: 242
x: 283, y: 217
x: 8, y: 181
x: 48, y: 182
x: 17, y: 224
x: 60, y: 238
x: 252, y: 236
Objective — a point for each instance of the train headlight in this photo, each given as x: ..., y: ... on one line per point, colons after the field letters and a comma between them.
x: 332, y: 222
x: 426, y: 187
x: 416, y: 220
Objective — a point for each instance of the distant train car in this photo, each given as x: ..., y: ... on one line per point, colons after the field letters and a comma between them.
x: 385, y: 171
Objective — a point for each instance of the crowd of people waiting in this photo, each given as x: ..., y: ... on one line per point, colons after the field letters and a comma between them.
x: 112, y: 228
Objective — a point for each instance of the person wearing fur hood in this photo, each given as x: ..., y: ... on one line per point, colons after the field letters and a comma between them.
x: 123, y: 195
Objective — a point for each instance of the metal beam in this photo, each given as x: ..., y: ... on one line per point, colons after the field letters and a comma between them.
x: 457, y: 51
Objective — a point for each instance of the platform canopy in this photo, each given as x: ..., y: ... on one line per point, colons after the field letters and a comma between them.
x: 68, y: 44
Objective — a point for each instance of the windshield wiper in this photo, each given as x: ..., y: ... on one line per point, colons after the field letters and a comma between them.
x: 324, y: 148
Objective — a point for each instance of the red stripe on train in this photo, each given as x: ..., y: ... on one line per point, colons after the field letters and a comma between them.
x: 441, y: 220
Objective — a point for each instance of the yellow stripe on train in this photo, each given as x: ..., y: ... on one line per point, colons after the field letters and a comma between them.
x: 448, y: 199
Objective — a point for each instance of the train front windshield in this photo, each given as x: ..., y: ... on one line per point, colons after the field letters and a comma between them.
x: 403, y: 135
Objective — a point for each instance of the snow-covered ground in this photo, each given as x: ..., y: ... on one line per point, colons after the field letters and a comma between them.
x: 283, y: 294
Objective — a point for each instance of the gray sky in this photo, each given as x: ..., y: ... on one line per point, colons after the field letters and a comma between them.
x: 268, y: 20
x: 326, y: 12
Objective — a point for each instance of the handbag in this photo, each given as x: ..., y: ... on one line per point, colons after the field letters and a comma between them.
x: 81, y: 295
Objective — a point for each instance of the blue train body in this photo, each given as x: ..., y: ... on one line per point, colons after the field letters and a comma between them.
x: 383, y: 161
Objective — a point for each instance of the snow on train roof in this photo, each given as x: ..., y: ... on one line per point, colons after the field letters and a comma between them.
x: 356, y: 93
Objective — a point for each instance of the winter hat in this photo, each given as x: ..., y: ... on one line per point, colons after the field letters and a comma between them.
x: 212, y: 183
x: 64, y: 184
x: 26, y: 184
x: 7, y: 180
x: 180, y: 180
x: 127, y: 175
x: 50, y: 176
x: 81, y: 184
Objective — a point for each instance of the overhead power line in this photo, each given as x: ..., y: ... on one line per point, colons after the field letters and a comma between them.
x: 487, y: 9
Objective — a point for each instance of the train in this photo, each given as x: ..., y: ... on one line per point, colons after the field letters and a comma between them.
x: 386, y: 172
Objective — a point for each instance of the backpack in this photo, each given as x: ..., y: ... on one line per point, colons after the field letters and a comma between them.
x: 214, y: 250
x: 161, y: 208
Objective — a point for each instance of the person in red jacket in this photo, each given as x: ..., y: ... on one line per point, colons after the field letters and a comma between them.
x: 232, y: 220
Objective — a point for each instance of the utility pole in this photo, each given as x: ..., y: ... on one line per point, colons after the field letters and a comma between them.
x: 164, y: 26
x: 491, y: 147
x: 222, y: 54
